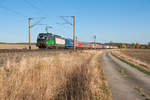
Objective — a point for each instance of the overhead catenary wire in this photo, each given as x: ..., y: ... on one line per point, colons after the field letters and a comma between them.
x: 67, y: 22
x: 2, y: 6
x: 63, y: 29
x: 12, y: 11
x: 30, y: 4
x: 72, y: 24
x: 35, y: 7
x: 36, y: 23
x: 47, y: 27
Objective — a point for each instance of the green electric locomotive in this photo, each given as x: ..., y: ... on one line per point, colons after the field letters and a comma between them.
x: 48, y: 40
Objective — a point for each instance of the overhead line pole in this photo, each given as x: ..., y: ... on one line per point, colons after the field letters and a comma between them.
x: 74, y: 33
x: 29, y: 19
x: 95, y: 41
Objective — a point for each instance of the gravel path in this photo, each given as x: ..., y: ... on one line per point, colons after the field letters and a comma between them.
x: 126, y: 82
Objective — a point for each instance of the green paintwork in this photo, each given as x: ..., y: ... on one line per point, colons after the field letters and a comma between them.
x: 50, y: 42
x: 43, y: 41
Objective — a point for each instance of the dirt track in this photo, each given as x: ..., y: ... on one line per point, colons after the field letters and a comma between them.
x: 126, y: 82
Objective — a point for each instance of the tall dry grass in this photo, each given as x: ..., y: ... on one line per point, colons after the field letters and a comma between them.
x: 71, y: 76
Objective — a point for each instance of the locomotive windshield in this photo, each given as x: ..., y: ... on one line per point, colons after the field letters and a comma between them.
x: 42, y: 37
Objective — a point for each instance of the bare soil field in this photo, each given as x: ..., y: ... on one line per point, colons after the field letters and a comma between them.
x: 142, y: 55
x: 53, y: 75
x: 16, y: 46
x: 139, y: 57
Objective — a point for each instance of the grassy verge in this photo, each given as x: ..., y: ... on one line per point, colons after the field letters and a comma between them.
x: 132, y: 65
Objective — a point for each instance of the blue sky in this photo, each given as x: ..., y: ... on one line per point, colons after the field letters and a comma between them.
x: 110, y: 20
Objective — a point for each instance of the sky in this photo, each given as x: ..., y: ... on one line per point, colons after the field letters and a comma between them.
x: 110, y: 20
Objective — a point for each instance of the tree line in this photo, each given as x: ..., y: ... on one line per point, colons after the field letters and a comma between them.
x: 135, y: 45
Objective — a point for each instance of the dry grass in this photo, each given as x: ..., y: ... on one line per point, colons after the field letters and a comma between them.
x: 70, y: 76
x: 16, y: 46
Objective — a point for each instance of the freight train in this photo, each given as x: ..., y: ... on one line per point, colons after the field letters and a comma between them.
x: 48, y: 40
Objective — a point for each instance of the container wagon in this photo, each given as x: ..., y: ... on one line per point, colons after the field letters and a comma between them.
x: 69, y: 43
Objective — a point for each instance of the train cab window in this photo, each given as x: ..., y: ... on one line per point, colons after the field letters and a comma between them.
x: 46, y: 38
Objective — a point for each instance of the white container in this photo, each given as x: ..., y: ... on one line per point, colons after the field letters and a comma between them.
x: 60, y: 41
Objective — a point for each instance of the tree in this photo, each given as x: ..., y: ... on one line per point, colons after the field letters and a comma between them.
x: 133, y: 45
x: 137, y: 45
x: 148, y: 46
x: 143, y: 46
x: 123, y: 45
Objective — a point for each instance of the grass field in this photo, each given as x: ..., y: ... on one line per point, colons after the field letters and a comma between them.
x: 138, y: 57
x: 16, y: 46
x: 53, y: 76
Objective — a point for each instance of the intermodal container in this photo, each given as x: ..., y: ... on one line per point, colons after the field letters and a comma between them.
x: 91, y: 45
x: 79, y: 44
x: 99, y: 46
x: 69, y: 43
x: 59, y: 41
x: 85, y: 44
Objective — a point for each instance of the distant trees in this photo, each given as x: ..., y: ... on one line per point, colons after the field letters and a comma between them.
x: 148, y: 45
x: 133, y: 45
x: 123, y: 45
x: 118, y: 45
x: 137, y: 45
x: 143, y: 46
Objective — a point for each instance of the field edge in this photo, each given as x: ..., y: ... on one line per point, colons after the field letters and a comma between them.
x: 132, y: 65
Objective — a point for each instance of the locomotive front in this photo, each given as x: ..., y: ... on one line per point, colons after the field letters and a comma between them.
x: 42, y: 40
